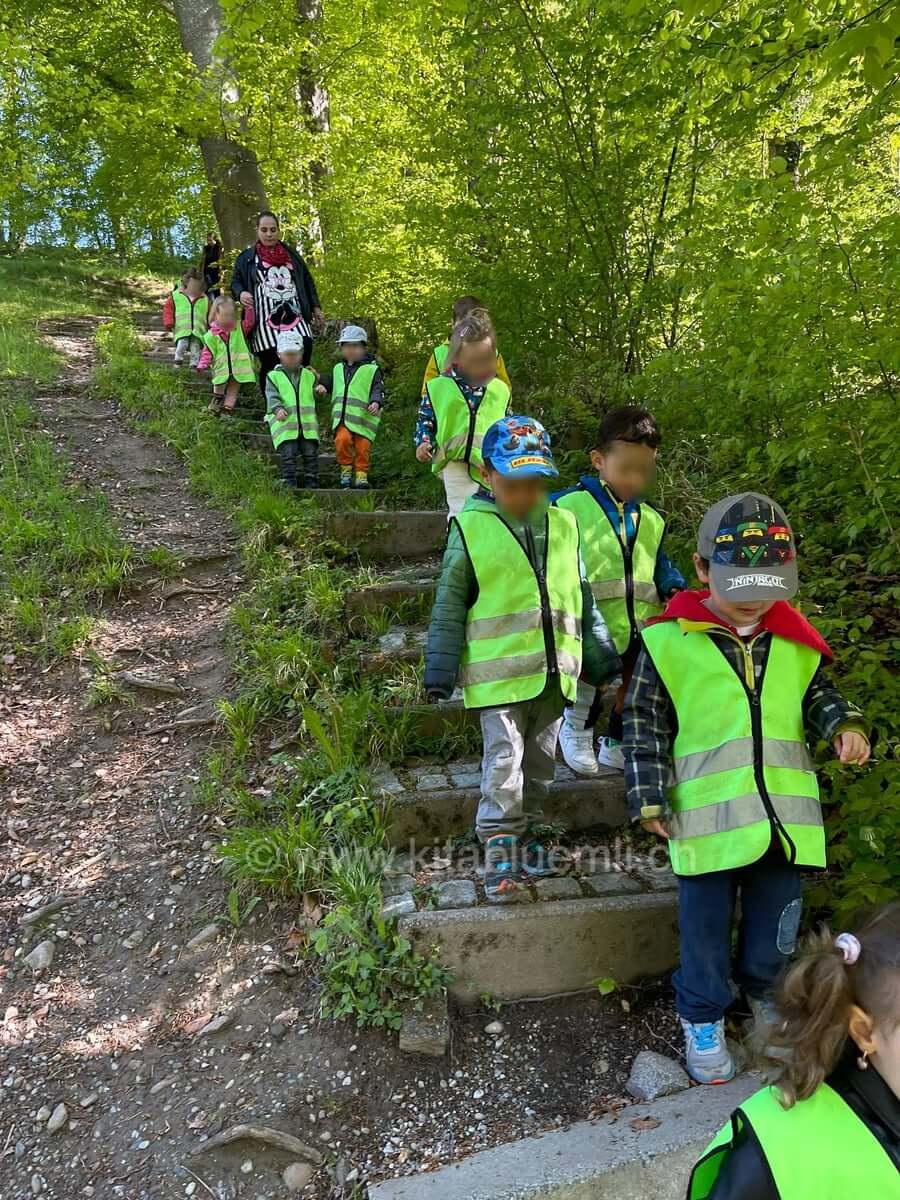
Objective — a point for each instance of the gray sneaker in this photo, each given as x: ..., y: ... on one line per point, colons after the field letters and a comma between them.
x: 766, y: 1018
x: 706, y: 1053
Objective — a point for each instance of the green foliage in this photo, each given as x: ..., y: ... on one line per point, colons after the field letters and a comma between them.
x: 371, y: 973
x: 59, y: 550
x: 238, y: 912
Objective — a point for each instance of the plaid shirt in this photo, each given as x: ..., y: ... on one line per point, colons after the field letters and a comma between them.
x: 650, y: 724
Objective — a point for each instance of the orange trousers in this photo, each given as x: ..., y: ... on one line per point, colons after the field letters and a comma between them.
x: 352, y: 450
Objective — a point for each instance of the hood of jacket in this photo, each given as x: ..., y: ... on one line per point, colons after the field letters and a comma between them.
x: 484, y: 501
x: 368, y: 357
x: 782, y: 619
x: 220, y: 330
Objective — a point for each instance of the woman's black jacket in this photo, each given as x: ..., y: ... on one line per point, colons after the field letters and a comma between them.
x: 243, y: 279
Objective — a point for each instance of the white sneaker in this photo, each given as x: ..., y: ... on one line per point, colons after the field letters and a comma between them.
x: 706, y: 1053
x: 577, y: 747
x: 610, y: 754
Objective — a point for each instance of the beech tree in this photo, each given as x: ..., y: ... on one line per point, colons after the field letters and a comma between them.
x: 232, y: 168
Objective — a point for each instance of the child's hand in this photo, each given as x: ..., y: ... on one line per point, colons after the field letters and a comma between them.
x: 424, y: 452
x: 280, y: 414
x: 374, y: 407
x: 656, y: 826
x: 320, y: 389
x: 852, y: 747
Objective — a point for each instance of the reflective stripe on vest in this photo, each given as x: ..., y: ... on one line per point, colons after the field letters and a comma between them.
x: 459, y: 431
x: 621, y: 576
x: 190, y: 317
x: 351, y: 402
x: 231, y: 357
x: 818, y: 1149
x: 740, y: 763
x: 300, y: 406
x: 521, y: 627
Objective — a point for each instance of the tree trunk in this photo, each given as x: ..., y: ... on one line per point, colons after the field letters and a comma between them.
x: 314, y: 105
x: 232, y: 169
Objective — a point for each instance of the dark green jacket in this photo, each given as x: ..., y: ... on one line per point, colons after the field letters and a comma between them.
x: 456, y: 593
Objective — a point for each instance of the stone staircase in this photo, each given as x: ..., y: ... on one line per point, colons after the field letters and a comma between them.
x: 610, y: 914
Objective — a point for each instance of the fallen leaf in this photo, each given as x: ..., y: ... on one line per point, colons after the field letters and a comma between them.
x: 639, y: 1124
x: 198, y: 1022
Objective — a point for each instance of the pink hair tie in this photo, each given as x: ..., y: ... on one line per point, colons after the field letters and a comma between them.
x: 849, y: 946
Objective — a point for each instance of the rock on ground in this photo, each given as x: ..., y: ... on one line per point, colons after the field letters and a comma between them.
x: 296, y: 1175
x: 653, y: 1075
x: 41, y: 957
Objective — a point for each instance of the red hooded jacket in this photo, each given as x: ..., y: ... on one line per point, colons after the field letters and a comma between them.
x: 782, y: 619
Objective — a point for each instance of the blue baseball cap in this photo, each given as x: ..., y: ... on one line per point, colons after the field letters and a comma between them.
x: 519, y: 447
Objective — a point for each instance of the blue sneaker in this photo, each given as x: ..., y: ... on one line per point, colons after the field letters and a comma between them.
x: 502, y: 868
x: 537, y: 861
x: 706, y: 1053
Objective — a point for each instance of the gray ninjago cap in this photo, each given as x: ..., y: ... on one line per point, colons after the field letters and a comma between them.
x: 750, y: 547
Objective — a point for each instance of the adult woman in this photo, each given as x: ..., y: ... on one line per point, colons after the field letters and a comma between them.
x: 276, y: 281
x: 209, y: 264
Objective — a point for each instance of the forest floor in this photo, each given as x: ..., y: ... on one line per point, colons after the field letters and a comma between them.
x: 157, y: 1022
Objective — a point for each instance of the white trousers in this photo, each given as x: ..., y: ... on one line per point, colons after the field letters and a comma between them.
x: 458, y: 486
x: 576, y: 715
x: 188, y: 346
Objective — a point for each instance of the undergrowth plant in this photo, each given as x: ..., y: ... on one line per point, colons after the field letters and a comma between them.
x: 60, y: 552
x: 318, y: 830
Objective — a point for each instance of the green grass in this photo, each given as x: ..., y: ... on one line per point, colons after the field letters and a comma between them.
x: 60, y: 552
x: 319, y: 832
x: 43, y: 284
x: 59, y: 549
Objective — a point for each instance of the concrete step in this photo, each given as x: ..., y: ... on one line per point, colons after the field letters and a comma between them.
x: 430, y: 804
x: 401, y: 644
x: 410, y: 582
x: 606, y: 1159
x: 540, y: 947
x: 382, y: 535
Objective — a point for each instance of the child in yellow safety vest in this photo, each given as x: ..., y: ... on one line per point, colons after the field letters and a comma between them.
x: 227, y: 352
x: 437, y: 360
x: 291, y: 411
x: 829, y: 1129
x: 514, y: 619
x: 185, y: 317
x: 459, y: 406
x: 727, y: 689
x: 630, y: 574
x: 356, y: 386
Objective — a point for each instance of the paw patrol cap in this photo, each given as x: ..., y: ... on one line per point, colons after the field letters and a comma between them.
x: 750, y: 548
x: 519, y: 447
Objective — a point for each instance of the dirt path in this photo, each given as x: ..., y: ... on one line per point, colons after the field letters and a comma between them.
x: 153, y: 1043
x: 100, y: 815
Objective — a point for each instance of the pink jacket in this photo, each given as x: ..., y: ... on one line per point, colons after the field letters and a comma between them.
x: 247, y: 322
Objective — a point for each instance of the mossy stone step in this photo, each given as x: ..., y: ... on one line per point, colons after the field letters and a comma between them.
x: 542, y: 948
x: 392, y: 593
x: 431, y: 804
x: 383, y: 535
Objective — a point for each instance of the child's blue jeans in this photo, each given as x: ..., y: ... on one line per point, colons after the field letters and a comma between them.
x: 769, y: 890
